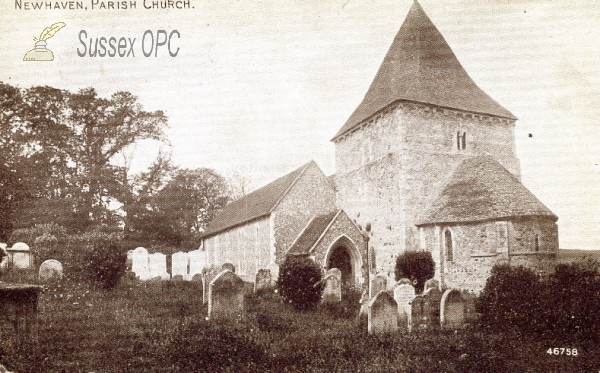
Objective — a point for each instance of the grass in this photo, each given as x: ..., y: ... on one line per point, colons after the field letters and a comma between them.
x: 161, y: 327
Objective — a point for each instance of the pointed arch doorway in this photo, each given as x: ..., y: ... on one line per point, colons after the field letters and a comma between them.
x: 343, y: 255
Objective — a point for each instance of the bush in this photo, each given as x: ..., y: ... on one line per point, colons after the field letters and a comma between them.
x: 107, y: 263
x: 512, y: 298
x: 299, y: 282
x: 416, y: 266
x: 573, y: 295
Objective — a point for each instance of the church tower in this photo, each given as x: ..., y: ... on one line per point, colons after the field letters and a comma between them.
x: 421, y: 117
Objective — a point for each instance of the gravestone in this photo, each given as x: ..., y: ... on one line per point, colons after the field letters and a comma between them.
x: 430, y: 284
x: 426, y: 310
x: 379, y: 283
x: 129, y: 260
x: 207, y: 278
x: 180, y: 264
x: 452, y: 310
x: 139, y: 264
x: 404, y: 295
x: 20, y: 255
x: 417, y: 313
x: 157, y: 263
x: 333, y: 289
x: 364, y: 304
x: 228, y: 267
x: 50, y: 270
x: 262, y: 280
x: 226, y: 297
x: 383, y: 314
x: 471, y: 315
x: 404, y: 281
x: 334, y: 271
x: 197, y: 262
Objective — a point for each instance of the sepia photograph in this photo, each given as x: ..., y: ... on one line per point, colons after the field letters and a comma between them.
x: 287, y: 186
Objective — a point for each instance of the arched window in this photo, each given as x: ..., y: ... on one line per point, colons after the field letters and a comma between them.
x: 537, y: 242
x: 448, y: 245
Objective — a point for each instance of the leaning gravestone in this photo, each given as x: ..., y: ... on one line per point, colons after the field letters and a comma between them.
x: 226, y: 297
x: 333, y: 289
x: 262, y: 280
x: 378, y: 284
x: 50, y: 270
x: 139, y: 264
x: 452, y: 310
x: 383, y: 314
x: 179, y: 265
x: 404, y: 295
x: 157, y: 263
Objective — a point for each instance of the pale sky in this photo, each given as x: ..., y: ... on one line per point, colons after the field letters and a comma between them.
x: 262, y: 86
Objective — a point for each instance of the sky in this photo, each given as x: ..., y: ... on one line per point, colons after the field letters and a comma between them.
x: 260, y: 87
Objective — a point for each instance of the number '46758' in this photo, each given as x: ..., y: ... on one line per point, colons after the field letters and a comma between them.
x: 562, y: 351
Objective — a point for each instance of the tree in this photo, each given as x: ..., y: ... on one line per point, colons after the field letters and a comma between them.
x: 417, y: 266
x: 57, y: 150
x: 192, y: 198
x: 103, y: 128
x: 171, y: 205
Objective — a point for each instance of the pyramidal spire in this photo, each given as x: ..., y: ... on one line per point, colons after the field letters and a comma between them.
x: 421, y: 67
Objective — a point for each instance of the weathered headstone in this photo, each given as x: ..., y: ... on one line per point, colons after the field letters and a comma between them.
x: 228, y: 267
x: 418, y: 313
x: 404, y: 295
x: 383, y: 314
x: 207, y: 277
x: 262, y: 280
x: 50, y: 270
x: 20, y: 255
x: 471, y: 315
x: 197, y: 260
x: 333, y: 289
x: 179, y: 264
x: 426, y: 310
x: 404, y: 281
x: 129, y: 260
x: 139, y: 264
x: 334, y: 271
x: 452, y: 310
x: 379, y: 283
x: 226, y: 297
x: 157, y: 263
x: 430, y: 284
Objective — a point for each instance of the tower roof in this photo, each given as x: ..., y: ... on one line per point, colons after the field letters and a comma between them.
x: 482, y: 189
x: 421, y: 67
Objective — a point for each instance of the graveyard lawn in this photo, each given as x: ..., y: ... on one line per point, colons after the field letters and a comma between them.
x: 161, y: 327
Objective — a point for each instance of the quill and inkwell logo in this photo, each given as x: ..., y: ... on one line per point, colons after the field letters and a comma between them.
x: 40, y: 52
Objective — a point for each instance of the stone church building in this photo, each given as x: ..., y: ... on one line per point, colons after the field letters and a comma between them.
x: 427, y: 161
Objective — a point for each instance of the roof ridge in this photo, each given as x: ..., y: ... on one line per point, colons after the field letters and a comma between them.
x: 303, y: 169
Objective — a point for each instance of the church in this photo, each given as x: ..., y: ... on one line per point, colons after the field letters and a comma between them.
x: 427, y: 161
